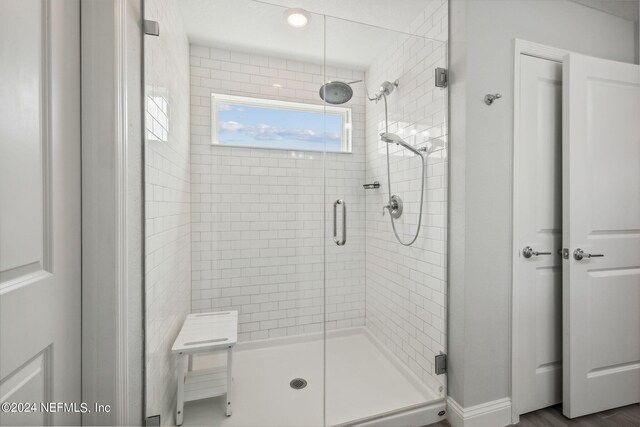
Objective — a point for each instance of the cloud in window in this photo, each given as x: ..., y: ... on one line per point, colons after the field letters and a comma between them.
x: 231, y: 126
x: 227, y: 107
x: 263, y: 132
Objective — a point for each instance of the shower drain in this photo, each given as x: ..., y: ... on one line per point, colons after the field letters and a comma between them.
x: 298, y: 383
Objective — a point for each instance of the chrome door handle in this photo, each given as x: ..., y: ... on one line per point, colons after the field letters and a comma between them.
x: 344, y: 222
x: 528, y: 252
x: 579, y: 255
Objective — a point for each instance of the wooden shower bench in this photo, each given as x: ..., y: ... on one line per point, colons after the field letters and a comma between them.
x: 204, y: 333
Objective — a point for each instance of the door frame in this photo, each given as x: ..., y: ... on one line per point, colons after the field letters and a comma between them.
x: 112, y: 210
x: 521, y: 47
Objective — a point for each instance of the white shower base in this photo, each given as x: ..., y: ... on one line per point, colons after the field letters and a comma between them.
x: 365, y: 383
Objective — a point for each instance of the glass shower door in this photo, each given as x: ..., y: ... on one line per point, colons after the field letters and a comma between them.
x: 266, y: 180
x: 385, y: 287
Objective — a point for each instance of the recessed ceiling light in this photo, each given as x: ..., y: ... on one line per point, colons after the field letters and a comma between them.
x: 297, y: 18
x: 278, y: 85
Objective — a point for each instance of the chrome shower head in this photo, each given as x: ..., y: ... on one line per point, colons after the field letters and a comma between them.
x: 392, y: 138
x: 386, y: 88
x: 337, y: 92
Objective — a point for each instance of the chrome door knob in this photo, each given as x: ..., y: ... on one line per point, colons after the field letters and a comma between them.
x: 528, y: 252
x: 579, y: 255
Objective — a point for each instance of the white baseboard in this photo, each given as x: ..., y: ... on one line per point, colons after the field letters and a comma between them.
x: 491, y: 414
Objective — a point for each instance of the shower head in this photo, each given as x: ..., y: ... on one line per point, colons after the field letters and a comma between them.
x: 337, y: 92
x: 386, y: 88
x: 392, y: 138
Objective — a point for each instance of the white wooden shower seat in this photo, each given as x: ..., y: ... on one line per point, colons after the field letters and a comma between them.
x: 204, y: 333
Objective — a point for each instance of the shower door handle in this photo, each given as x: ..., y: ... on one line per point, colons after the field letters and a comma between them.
x: 344, y: 222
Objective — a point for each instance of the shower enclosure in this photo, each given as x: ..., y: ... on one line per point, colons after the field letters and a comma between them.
x: 298, y: 175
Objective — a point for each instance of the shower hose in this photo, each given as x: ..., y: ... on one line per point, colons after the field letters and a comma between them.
x: 422, y: 157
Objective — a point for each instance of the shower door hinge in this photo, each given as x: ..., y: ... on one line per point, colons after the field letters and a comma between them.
x: 152, y: 421
x: 151, y: 28
x: 442, y: 77
x: 441, y: 364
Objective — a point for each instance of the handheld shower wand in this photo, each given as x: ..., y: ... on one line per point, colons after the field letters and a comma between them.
x: 392, y: 138
x: 395, y: 203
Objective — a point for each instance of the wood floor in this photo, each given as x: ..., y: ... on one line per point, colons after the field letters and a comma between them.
x: 627, y: 416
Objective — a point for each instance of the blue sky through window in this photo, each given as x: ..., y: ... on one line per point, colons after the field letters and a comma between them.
x: 246, y: 125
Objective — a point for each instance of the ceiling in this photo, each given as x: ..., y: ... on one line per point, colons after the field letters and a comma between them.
x: 260, y: 27
x: 366, y: 27
x: 627, y: 9
x: 390, y: 14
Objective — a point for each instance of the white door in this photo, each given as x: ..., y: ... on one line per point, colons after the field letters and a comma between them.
x: 601, y: 216
x: 538, y: 186
x: 39, y: 207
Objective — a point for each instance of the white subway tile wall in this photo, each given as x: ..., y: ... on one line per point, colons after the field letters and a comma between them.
x: 167, y: 202
x: 406, y: 286
x: 260, y: 217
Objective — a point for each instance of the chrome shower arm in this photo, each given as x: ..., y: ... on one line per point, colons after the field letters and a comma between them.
x: 377, y: 98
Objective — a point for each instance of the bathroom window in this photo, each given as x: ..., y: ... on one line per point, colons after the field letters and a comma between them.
x: 240, y: 121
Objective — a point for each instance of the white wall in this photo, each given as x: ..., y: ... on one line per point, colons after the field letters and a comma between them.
x: 481, y: 57
x: 167, y: 202
x: 406, y: 286
x: 261, y: 217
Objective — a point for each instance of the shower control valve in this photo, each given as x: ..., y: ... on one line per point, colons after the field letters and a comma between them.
x: 394, y: 207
